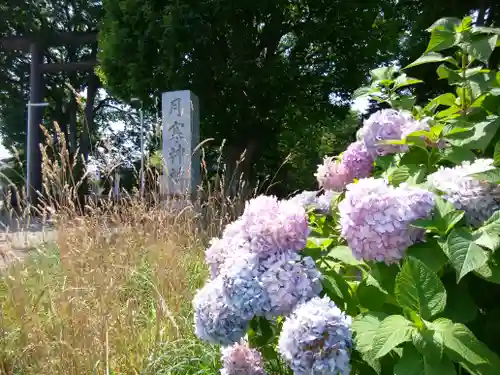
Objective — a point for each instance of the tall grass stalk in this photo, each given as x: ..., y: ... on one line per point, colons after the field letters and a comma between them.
x: 112, y: 294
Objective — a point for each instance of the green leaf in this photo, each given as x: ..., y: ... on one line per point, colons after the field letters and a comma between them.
x: 336, y: 287
x: 457, y: 155
x: 344, y: 254
x: 403, y: 80
x: 404, y: 102
x: 464, y: 254
x: 371, y: 294
x: 452, y: 76
x: 393, y: 331
x: 486, y: 30
x: 447, y: 23
x: 491, y: 270
x: 447, y: 100
x: 365, y: 326
x: 383, y: 73
x: 462, y: 346
x: 429, y: 253
x: 481, y: 83
x: 412, y: 363
x: 481, y: 47
x: 483, y: 134
x: 493, y: 176
x: 442, y: 37
x: 415, y: 173
x: 444, y: 218
x: 496, y: 155
x: 364, y: 91
x: 489, y: 233
x: 430, y: 57
x: 419, y: 289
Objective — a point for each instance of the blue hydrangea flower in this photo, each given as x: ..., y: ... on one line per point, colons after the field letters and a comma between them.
x: 288, y: 281
x: 316, y: 339
x: 244, y: 288
x: 215, y: 320
x: 240, y: 359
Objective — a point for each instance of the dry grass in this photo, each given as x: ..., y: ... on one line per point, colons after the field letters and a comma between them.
x: 113, y: 294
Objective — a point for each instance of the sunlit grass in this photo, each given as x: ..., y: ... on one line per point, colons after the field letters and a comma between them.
x: 112, y: 294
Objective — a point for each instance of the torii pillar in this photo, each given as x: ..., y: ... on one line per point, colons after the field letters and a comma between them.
x: 36, y: 45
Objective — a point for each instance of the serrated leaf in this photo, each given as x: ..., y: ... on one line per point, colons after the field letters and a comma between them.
x: 483, y: 134
x: 365, y: 327
x: 344, y: 254
x: 429, y: 253
x: 491, y: 270
x: 429, y: 343
x: 431, y: 57
x: 464, y: 254
x: 441, y: 39
x: 462, y: 346
x: 419, y: 289
x: 412, y: 363
x: 489, y: 233
x: 393, y: 331
x: 407, y: 173
x: 493, y: 176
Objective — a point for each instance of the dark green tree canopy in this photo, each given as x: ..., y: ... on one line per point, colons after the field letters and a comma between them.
x: 258, y: 67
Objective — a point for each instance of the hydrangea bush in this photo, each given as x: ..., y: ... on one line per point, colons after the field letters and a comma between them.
x: 392, y: 267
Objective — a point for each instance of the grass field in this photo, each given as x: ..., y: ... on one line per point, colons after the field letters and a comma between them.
x: 107, y: 301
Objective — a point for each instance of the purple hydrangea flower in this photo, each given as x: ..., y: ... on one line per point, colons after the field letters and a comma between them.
x: 375, y: 218
x: 388, y: 124
x: 288, y: 281
x: 316, y: 339
x: 332, y: 174
x: 240, y: 359
x: 215, y: 320
x: 270, y: 225
x: 476, y: 198
x: 357, y: 160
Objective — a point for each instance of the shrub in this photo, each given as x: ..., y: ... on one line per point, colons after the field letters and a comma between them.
x: 400, y: 275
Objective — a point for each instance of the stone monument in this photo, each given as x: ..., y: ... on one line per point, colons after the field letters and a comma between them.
x: 181, y: 136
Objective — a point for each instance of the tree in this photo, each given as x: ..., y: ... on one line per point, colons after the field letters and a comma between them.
x: 258, y: 67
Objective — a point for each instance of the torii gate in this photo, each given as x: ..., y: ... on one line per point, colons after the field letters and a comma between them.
x: 36, y: 45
